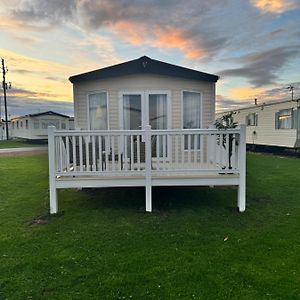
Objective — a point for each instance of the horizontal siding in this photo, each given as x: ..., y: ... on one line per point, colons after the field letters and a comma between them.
x: 142, y: 83
x: 266, y: 133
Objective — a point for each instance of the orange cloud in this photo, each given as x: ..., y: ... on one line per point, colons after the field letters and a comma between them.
x: 175, y: 38
x: 171, y: 38
x: 130, y: 32
x: 274, y: 6
x: 241, y: 93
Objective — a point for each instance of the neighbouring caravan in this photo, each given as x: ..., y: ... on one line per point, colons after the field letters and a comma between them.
x: 3, y: 130
x: 270, y: 124
x: 34, y: 126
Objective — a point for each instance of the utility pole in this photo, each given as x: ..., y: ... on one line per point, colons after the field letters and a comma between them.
x: 5, y: 86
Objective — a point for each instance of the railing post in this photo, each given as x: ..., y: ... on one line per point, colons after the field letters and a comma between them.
x: 242, y: 170
x: 52, y: 181
x: 148, y: 158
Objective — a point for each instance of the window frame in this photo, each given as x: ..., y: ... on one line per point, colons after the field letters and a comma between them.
x: 255, y: 119
x: 88, y: 107
x: 201, y: 115
x: 277, y: 115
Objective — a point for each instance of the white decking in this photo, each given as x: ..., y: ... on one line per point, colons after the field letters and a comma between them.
x: 119, y: 158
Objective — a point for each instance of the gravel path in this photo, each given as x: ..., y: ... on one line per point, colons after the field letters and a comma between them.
x: 23, y: 151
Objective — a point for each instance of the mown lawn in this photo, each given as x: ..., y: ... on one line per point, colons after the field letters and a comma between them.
x: 193, y: 246
x: 21, y: 143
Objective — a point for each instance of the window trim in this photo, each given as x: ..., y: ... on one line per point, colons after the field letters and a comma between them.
x: 121, y: 112
x: 88, y: 107
x: 169, y: 111
x: 34, y: 124
x: 201, y: 106
x: 255, y: 119
x: 278, y: 116
x: 201, y: 113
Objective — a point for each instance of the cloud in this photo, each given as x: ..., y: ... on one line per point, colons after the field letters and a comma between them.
x: 225, y: 103
x: 18, y: 106
x: 275, y: 6
x: 161, y: 24
x: 262, y: 68
x: 38, y: 11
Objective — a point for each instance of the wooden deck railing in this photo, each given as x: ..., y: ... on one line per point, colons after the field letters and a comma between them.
x: 146, y: 158
x: 136, y: 152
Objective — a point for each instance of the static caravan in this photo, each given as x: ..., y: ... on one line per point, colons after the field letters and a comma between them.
x: 3, y: 129
x: 35, y: 126
x: 145, y: 123
x: 270, y: 124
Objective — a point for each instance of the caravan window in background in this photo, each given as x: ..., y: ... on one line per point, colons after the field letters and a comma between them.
x: 36, y: 124
x: 63, y: 125
x: 284, y: 119
x: 26, y: 124
x: 251, y: 119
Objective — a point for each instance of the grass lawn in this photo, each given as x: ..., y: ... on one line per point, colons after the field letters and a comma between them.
x: 193, y: 246
x: 21, y: 143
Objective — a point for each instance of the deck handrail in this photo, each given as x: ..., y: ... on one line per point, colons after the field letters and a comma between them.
x: 140, y: 131
x: 74, y: 152
x: 79, y: 156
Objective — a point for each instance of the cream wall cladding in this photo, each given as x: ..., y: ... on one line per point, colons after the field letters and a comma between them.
x: 143, y: 83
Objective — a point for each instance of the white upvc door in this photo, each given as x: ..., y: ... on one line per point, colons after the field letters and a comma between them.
x: 131, y: 113
x: 138, y: 109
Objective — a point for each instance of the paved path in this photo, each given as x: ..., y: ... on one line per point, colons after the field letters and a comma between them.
x: 23, y: 151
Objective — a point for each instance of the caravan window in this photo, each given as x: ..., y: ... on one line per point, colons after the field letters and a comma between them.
x: 251, y: 119
x: 36, y: 124
x: 284, y: 119
x: 98, y: 111
x: 191, y: 118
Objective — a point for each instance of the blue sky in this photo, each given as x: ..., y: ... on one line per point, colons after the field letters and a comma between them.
x: 254, y: 45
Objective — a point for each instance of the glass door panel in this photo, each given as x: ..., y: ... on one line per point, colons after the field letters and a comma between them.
x: 132, y: 112
x: 158, y: 119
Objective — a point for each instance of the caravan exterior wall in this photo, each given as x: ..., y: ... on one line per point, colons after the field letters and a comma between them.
x: 36, y: 127
x: 264, y: 126
x: 143, y: 83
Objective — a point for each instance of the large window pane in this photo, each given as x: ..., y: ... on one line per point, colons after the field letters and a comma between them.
x: 158, y: 111
x: 158, y: 120
x: 191, y: 117
x: 191, y: 110
x: 285, y: 119
x: 132, y: 112
x: 98, y: 111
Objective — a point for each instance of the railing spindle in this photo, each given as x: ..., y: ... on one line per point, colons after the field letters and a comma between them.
x: 68, y: 153
x: 100, y: 168
x: 94, y: 153
x: 131, y: 153
x: 74, y: 153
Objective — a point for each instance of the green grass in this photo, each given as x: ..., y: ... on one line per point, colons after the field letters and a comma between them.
x: 21, y: 143
x: 193, y: 246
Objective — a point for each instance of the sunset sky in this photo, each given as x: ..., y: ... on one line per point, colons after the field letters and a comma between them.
x: 253, y: 45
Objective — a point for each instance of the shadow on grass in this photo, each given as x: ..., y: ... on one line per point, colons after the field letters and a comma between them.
x: 163, y: 198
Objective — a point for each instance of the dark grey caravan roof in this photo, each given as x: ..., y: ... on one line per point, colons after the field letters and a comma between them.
x: 49, y: 112
x: 144, y: 65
